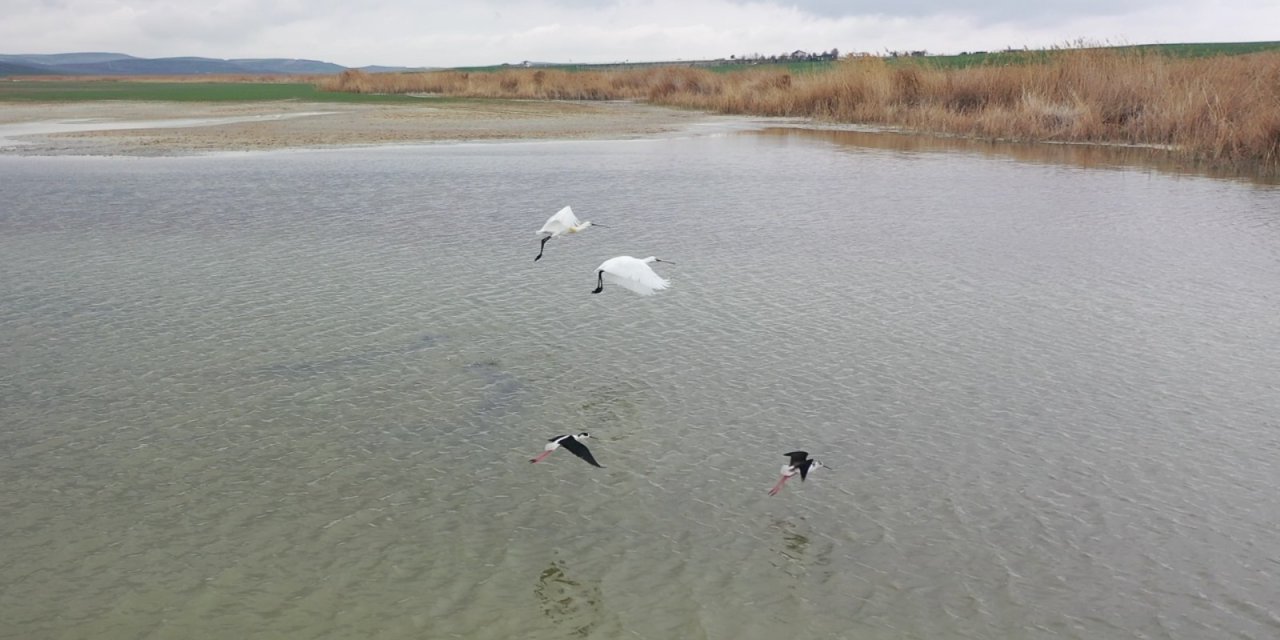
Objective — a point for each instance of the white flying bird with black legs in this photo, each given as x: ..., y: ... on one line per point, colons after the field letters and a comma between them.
x: 562, y: 223
x: 631, y: 273
x: 571, y: 442
x: 800, y: 463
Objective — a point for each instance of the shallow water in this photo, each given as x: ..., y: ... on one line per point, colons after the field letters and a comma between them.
x: 293, y: 395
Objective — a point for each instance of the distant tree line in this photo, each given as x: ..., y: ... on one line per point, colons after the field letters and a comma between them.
x: 798, y: 55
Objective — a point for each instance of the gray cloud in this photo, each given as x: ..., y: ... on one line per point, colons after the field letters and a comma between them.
x: 987, y: 11
x: 983, y: 11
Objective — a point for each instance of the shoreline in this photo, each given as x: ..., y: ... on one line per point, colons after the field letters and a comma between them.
x: 110, y: 128
x: 140, y: 128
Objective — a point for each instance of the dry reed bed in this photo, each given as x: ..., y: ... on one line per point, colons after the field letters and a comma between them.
x: 1221, y: 111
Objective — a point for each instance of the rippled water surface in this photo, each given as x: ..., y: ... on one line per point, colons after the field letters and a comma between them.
x: 294, y: 395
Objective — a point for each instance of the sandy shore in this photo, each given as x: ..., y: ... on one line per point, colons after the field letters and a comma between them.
x: 178, y: 128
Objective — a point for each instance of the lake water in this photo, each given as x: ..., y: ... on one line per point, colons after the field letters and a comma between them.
x: 294, y: 394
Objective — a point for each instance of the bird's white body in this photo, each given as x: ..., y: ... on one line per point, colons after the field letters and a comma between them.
x: 563, y: 222
x: 634, y: 274
x: 789, y: 470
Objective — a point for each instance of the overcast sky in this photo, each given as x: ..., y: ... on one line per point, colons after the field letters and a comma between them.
x: 466, y: 32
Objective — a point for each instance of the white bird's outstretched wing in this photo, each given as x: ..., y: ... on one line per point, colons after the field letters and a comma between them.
x: 560, y: 223
x: 633, y: 274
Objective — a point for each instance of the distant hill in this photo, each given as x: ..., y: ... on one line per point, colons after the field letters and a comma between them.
x: 119, y: 64
x: 15, y: 69
x: 55, y: 59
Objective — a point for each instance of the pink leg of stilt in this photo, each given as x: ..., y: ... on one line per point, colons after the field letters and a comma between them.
x: 541, y: 456
x: 778, y: 487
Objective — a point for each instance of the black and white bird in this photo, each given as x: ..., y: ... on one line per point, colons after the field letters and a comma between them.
x: 800, y: 463
x: 571, y: 442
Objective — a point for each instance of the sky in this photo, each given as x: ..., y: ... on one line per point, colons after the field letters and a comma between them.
x: 432, y: 33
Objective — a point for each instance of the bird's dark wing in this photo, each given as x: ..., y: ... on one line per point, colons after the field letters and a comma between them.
x: 559, y: 439
x: 797, y: 457
x: 580, y: 450
x: 804, y: 469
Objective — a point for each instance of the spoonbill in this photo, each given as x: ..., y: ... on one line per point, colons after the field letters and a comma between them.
x: 561, y: 223
x: 631, y: 273
x: 800, y: 463
x: 571, y: 442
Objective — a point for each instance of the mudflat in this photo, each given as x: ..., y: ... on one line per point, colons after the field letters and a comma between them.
x: 143, y: 128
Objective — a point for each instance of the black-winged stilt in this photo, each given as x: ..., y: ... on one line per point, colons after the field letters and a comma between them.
x: 571, y: 442
x: 800, y: 463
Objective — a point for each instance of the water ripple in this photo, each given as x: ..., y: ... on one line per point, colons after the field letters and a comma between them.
x: 294, y: 395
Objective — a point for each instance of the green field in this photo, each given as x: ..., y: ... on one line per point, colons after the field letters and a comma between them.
x: 96, y: 89
x: 1186, y: 50
x: 1029, y: 56
x: 1200, y: 50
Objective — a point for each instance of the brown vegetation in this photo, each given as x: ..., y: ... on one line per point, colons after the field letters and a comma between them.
x: 1223, y: 110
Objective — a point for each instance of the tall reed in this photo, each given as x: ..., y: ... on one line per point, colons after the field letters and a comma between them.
x: 1223, y: 110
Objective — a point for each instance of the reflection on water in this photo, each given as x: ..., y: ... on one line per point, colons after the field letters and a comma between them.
x: 569, y: 604
x: 1089, y: 156
x: 799, y: 556
x: 294, y: 395
x: 794, y: 544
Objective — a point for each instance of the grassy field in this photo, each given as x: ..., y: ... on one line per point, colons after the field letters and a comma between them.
x: 1017, y: 57
x: 1204, y: 49
x: 86, y: 89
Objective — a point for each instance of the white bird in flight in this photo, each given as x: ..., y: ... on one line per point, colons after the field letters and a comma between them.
x: 563, y: 222
x: 631, y: 273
